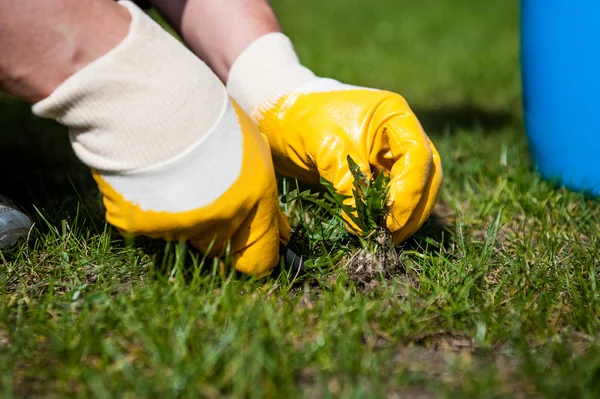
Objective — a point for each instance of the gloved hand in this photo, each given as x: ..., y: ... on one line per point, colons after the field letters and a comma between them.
x: 173, y: 156
x: 203, y: 200
x: 313, y: 124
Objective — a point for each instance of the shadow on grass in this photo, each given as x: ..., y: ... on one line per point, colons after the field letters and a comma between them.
x: 38, y: 166
x: 436, y: 232
x: 439, y: 120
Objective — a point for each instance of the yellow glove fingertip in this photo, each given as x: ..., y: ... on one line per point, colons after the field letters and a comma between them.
x: 260, y: 257
x: 255, y: 244
x: 424, y: 208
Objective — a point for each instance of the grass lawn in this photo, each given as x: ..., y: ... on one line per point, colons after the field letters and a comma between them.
x: 496, y: 297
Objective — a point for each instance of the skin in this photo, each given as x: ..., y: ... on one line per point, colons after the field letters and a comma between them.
x: 217, y: 31
x: 70, y: 34
x: 64, y: 34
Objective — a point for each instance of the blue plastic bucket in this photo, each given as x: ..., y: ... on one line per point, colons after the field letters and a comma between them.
x: 560, y: 53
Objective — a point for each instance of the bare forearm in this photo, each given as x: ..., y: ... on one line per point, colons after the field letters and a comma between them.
x: 43, y: 42
x: 217, y: 31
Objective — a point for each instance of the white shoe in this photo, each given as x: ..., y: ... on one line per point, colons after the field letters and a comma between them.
x: 14, y: 224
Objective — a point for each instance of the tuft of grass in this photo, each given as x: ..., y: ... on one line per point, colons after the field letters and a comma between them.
x: 377, y: 258
x: 369, y: 208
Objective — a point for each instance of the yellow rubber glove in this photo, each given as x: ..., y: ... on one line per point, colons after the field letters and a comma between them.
x: 245, y: 216
x: 173, y: 156
x: 313, y: 124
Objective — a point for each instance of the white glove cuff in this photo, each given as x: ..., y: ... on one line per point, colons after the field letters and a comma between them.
x: 142, y: 104
x: 266, y: 70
